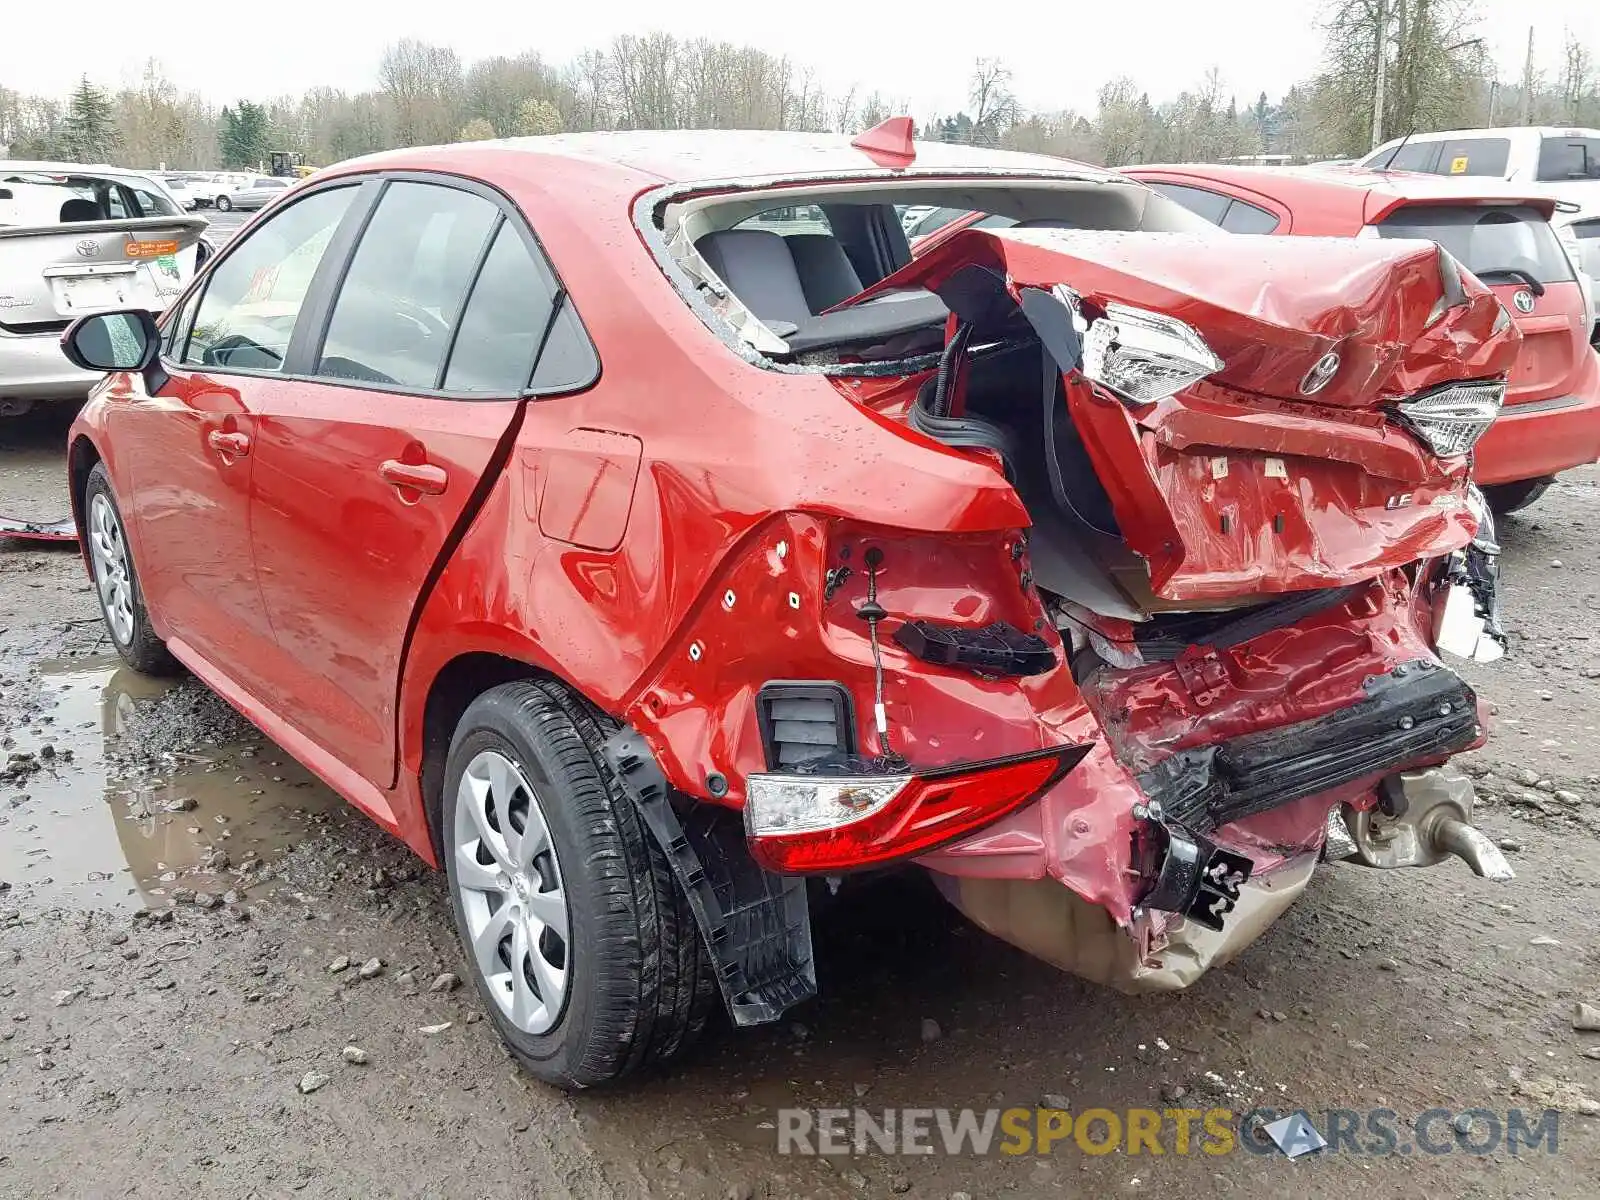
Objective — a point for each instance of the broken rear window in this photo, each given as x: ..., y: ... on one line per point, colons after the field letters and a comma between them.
x: 783, y: 267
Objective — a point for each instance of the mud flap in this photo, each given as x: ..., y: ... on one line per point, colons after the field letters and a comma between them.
x: 756, y: 925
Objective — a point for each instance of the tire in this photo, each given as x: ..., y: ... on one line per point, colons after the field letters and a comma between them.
x: 1506, y: 498
x: 630, y: 985
x: 116, y: 581
x: 224, y: 204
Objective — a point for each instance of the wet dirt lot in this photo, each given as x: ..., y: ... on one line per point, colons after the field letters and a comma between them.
x: 188, y: 923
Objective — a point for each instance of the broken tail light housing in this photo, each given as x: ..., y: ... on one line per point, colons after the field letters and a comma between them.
x: 1145, y: 356
x: 862, y: 814
x: 1451, y: 419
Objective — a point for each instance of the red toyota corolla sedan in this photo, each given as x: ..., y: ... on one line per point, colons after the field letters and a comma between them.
x: 1551, y: 420
x: 631, y: 526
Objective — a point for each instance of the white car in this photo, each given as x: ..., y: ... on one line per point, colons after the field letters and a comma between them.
x: 1565, y: 163
x: 178, y: 187
x: 202, y: 186
x: 74, y: 240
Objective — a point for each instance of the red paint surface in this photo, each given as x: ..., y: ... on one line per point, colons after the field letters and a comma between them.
x: 1555, y: 359
x: 704, y: 499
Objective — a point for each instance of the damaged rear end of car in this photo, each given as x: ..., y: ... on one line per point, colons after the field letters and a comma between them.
x: 1181, y: 639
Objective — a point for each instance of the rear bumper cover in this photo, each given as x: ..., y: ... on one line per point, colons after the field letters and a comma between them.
x: 33, y: 367
x: 1543, y: 437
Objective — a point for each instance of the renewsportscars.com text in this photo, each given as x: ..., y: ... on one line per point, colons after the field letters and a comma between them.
x: 1151, y: 1131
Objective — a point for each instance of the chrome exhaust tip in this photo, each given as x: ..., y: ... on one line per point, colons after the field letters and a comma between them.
x: 1424, y: 818
x: 1473, y: 847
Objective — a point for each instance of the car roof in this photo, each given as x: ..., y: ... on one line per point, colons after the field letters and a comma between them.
x: 1386, y: 188
x: 1502, y: 131
x: 69, y: 168
x: 652, y: 158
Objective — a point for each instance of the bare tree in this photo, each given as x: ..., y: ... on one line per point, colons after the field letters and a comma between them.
x: 1577, y: 84
x: 1430, y: 68
x: 994, y: 106
x: 423, y: 85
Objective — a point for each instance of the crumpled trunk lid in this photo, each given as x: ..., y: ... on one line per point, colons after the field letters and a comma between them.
x: 1255, y: 481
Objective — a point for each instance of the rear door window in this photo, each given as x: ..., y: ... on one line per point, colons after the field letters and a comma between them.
x: 152, y: 205
x: 1567, y: 158
x: 934, y: 220
x: 1201, y: 202
x: 504, y: 321
x: 1484, y: 157
x: 1499, y: 245
x: 798, y: 218
x: 400, y: 300
x: 1248, y: 218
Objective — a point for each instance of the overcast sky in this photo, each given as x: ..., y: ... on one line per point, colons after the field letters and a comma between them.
x: 1059, y: 52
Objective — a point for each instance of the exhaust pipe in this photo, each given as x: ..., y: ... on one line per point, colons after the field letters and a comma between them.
x: 1422, y: 818
x: 1473, y: 847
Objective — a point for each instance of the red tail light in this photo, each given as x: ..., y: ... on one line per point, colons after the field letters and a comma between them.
x: 831, y: 823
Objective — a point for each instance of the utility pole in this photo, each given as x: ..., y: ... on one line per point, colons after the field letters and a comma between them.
x: 1380, y: 65
x: 1527, y: 82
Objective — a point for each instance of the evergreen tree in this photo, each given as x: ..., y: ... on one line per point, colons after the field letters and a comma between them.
x: 88, y: 132
x: 243, y: 136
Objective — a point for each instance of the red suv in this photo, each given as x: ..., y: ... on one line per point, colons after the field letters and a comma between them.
x: 629, y: 524
x: 1551, y: 420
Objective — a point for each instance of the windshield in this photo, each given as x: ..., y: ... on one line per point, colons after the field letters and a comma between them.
x: 1497, y: 244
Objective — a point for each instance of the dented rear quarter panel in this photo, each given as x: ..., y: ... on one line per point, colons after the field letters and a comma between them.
x: 605, y: 584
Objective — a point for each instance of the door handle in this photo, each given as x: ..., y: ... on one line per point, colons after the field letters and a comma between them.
x: 419, y: 477
x: 236, y: 444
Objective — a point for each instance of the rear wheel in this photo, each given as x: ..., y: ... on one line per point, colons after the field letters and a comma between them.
x: 224, y: 204
x: 581, y: 942
x: 1506, y: 498
x: 116, y: 583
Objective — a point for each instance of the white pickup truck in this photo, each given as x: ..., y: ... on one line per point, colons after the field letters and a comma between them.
x: 1565, y: 163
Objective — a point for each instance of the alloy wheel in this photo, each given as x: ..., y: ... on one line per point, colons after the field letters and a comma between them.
x: 511, y: 893
x: 112, y: 575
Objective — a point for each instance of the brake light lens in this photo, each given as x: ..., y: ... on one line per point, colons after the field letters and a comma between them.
x: 1145, y: 356
x: 827, y: 823
x: 1451, y: 419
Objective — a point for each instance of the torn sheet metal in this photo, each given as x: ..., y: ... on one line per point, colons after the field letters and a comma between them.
x: 63, y: 530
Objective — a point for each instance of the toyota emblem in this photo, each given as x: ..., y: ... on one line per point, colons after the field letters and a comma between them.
x: 88, y: 248
x: 1319, y: 376
x: 1523, y: 300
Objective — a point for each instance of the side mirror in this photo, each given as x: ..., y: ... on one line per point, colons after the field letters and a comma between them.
x: 115, y: 341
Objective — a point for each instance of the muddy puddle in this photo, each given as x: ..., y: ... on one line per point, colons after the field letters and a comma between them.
x: 91, y: 825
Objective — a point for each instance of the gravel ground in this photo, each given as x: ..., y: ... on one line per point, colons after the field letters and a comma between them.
x: 197, y: 939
